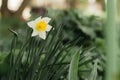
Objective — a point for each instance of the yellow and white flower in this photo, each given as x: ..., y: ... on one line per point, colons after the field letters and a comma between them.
x: 40, y: 26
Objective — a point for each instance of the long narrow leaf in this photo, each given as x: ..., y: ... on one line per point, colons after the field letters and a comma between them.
x: 73, y: 70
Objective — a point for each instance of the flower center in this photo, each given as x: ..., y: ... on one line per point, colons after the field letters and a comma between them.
x: 41, y: 26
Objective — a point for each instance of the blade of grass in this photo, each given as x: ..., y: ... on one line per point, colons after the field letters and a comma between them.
x: 93, y: 75
x: 73, y: 70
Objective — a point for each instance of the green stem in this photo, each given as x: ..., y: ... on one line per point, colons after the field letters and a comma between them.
x: 111, y: 41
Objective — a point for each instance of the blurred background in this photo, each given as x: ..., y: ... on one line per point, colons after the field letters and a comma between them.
x: 22, y: 8
x: 83, y: 18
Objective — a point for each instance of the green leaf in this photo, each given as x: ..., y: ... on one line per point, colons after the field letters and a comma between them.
x: 93, y: 75
x: 73, y: 70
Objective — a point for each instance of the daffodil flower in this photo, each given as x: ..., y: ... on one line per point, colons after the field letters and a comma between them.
x: 40, y: 26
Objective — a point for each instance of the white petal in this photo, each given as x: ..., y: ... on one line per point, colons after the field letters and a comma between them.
x: 48, y: 28
x: 46, y: 19
x: 34, y: 33
x: 31, y: 24
x: 42, y: 34
x: 38, y: 19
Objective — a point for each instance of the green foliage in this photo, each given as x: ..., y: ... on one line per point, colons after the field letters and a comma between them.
x: 77, y: 24
x: 5, y: 34
x: 57, y: 57
x: 93, y: 75
x: 49, y: 59
x: 73, y: 70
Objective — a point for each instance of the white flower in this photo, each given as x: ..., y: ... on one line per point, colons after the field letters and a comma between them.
x: 40, y: 26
